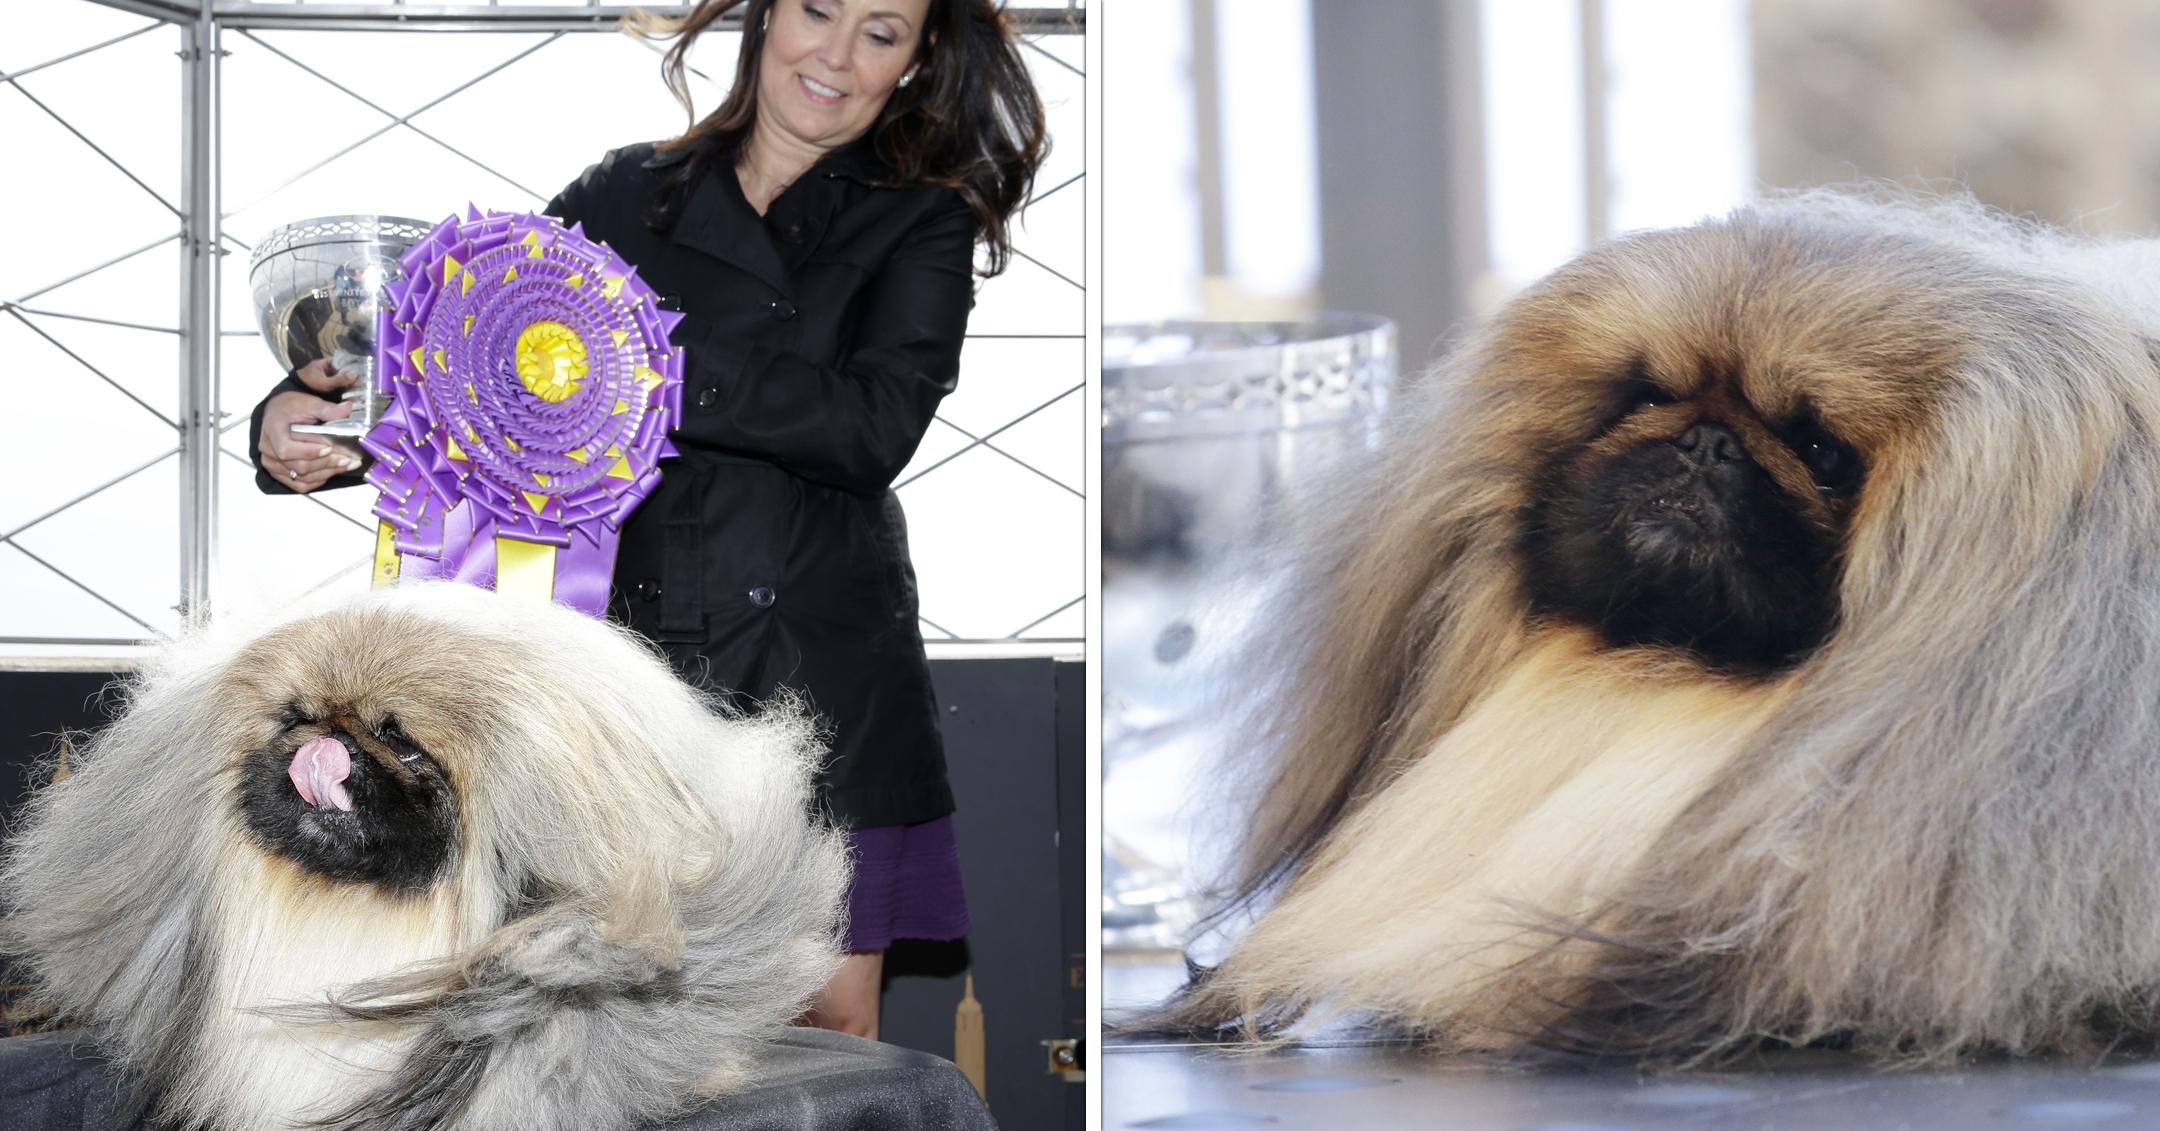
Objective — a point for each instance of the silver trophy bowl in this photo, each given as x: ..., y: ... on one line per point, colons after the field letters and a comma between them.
x: 318, y: 285
x: 1210, y: 432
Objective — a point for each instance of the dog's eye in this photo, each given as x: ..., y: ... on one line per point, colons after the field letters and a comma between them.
x: 389, y: 734
x: 1834, y: 464
x: 1641, y: 393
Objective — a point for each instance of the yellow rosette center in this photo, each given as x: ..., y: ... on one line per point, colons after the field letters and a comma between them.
x: 551, y: 360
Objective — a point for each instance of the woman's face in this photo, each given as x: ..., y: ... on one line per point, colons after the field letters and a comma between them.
x: 828, y: 66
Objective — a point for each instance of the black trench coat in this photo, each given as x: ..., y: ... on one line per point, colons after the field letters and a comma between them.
x: 818, y: 341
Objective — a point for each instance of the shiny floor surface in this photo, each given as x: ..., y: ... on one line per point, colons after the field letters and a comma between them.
x: 1352, y: 1085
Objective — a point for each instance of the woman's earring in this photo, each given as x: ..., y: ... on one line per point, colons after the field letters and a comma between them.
x: 907, y: 78
x: 765, y: 22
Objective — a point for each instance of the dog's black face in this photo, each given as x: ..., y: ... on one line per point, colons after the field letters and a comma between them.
x: 351, y: 801
x: 1691, y: 523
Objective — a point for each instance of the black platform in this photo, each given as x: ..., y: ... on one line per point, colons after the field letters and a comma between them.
x: 809, y: 1080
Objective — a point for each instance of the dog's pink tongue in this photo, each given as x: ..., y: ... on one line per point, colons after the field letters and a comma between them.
x: 318, y: 771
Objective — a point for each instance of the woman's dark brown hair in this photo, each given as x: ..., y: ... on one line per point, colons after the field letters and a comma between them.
x: 969, y: 121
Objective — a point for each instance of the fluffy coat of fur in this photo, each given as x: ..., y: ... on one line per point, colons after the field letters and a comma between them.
x: 1936, y: 832
x: 638, y: 893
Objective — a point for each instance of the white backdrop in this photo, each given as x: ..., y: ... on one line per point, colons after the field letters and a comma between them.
x: 416, y: 124
x: 1676, y: 100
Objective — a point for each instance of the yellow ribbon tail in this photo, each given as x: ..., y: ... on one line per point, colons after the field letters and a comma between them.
x: 386, y: 556
x: 525, y: 569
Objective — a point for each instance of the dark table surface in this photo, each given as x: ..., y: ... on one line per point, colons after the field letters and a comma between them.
x: 1353, y: 1084
x: 808, y: 1080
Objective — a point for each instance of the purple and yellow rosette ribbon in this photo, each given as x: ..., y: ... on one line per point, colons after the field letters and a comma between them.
x: 532, y: 389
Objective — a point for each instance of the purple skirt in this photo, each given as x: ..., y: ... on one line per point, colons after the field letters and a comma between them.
x: 907, y: 885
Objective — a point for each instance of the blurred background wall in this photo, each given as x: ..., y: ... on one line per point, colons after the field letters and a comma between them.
x: 1424, y: 158
x: 2043, y: 107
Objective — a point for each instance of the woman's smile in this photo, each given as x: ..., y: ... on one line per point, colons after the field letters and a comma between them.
x: 818, y: 92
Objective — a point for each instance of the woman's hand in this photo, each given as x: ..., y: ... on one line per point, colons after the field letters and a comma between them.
x: 849, y: 1003
x: 318, y: 375
x: 306, y: 462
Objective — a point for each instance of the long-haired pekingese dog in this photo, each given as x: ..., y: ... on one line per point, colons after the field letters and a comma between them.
x: 435, y: 857
x: 1752, y: 634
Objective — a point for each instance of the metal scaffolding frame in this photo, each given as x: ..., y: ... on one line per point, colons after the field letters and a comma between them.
x: 201, y: 25
x: 401, y: 15
x: 201, y: 53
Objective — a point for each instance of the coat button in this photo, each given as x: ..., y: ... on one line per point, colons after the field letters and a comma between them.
x: 648, y: 589
x: 708, y: 397
x: 669, y: 302
x: 781, y: 310
x: 761, y: 597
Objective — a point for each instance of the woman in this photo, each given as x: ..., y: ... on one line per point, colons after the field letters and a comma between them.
x: 817, y: 231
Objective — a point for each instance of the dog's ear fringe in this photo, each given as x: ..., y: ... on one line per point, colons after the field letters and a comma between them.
x: 1390, y: 616
x: 1205, y: 1010
x: 1396, y: 605
x: 1198, y: 1011
x: 57, y: 902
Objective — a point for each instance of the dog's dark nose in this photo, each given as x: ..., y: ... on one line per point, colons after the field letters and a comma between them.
x: 1707, y: 443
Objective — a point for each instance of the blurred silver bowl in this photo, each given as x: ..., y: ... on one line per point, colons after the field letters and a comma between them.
x: 1210, y: 431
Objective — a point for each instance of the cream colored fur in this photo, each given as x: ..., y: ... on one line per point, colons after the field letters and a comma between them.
x: 293, y: 941
x: 1543, y: 797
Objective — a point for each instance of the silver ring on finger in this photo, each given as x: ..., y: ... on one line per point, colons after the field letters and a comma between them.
x: 292, y: 473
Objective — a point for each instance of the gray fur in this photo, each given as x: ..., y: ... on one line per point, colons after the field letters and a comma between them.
x: 689, y: 904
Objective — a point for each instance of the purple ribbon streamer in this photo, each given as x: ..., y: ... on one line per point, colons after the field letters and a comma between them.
x: 465, y: 448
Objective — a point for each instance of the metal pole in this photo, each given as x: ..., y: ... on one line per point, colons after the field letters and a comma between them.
x: 1597, y: 150
x: 1398, y: 110
x: 199, y: 339
x: 1207, y: 137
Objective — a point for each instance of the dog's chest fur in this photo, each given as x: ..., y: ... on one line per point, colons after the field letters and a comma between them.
x: 281, y: 937
x: 1528, y: 812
